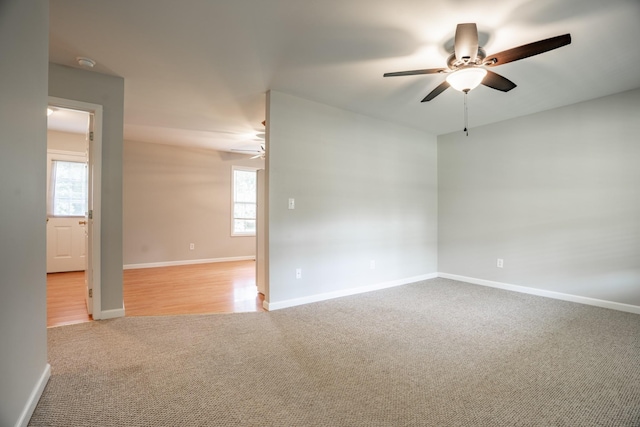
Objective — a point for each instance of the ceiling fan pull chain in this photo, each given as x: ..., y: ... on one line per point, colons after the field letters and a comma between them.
x: 466, y: 114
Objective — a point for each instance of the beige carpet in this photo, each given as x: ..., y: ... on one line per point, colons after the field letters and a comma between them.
x: 434, y: 353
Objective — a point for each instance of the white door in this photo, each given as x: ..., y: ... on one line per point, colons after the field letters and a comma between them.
x: 88, y: 219
x: 261, y: 241
x: 66, y: 207
x: 66, y: 250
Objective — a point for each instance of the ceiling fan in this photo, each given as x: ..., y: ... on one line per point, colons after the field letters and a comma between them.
x: 466, y: 66
x: 259, y: 154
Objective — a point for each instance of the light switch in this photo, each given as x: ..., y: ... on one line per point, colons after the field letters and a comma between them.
x: 292, y: 203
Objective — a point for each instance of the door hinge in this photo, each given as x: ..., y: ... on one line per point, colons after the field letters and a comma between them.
x: 91, y: 136
x: 90, y: 215
x: 90, y: 293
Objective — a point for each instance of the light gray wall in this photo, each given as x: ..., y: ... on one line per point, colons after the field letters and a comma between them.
x: 108, y: 91
x: 555, y: 194
x: 174, y: 196
x: 66, y: 141
x: 23, y: 148
x: 364, y: 190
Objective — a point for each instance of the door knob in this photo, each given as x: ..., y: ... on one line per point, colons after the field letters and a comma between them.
x: 82, y: 222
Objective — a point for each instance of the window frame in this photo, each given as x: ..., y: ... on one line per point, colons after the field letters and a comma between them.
x: 235, y: 168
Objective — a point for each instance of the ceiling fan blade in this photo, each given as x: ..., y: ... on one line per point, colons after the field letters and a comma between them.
x: 245, y: 151
x: 496, y: 81
x: 415, y: 72
x: 437, y: 91
x: 466, y: 43
x: 528, y: 50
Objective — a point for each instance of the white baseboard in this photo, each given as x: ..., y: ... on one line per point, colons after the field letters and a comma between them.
x: 111, y: 314
x: 544, y: 293
x: 270, y: 306
x: 23, y: 421
x: 187, y: 262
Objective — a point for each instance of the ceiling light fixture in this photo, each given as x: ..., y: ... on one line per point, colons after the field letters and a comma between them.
x: 466, y: 79
x: 85, y: 62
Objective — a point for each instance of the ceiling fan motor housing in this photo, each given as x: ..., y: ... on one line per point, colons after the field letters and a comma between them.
x: 453, y: 63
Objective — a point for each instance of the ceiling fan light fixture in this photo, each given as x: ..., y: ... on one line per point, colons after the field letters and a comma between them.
x: 466, y: 79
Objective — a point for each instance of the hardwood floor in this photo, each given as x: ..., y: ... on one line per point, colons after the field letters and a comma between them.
x: 200, y: 288
x: 65, y: 299
x: 191, y: 289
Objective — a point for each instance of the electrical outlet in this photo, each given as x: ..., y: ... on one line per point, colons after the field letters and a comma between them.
x: 372, y: 264
x: 298, y: 273
x: 192, y: 246
x: 500, y: 263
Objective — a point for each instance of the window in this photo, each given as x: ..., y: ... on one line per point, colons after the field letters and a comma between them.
x: 68, y: 188
x: 245, y: 184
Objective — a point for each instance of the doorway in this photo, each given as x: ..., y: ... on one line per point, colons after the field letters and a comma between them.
x: 73, y: 200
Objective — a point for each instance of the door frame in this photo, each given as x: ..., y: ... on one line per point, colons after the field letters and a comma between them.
x: 94, y: 162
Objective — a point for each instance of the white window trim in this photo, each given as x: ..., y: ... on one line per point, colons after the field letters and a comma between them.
x: 233, y: 169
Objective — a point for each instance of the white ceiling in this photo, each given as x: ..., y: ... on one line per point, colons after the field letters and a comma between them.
x: 196, y: 71
x: 65, y: 120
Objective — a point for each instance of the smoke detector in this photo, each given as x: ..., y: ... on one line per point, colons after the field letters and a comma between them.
x: 85, y: 62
